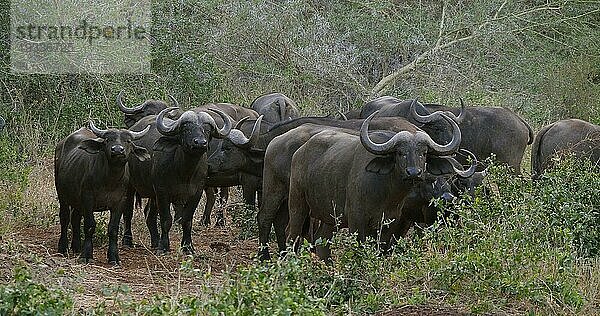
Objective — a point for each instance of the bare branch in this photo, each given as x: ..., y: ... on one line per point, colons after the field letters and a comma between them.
x: 441, y: 32
x: 500, y: 9
x: 477, y: 28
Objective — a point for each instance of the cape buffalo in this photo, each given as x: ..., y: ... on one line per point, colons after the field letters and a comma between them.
x: 176, y: 173
x: 153, y: 107
x: 276, y: 107
x: 277, y: 173
x: 485, y: 130
x: 346, y: 180
x: 136, y: 113
x: 90, y: 175
x: 566, y: 136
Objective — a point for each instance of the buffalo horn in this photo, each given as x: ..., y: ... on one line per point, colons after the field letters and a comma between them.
x: 223, y: 132
x: 125, y: 109
x: 140, y: 134
x: 384, y: 148
x: 448, y: 148
x: 239, y: 139
x: 172, y: 128
x: 98, y: 132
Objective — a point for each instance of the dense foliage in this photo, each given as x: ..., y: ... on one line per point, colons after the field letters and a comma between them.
x: 518, y: 246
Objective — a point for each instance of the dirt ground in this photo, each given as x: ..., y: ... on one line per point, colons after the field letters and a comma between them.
x: 145, y: 274
x: 218, y: 250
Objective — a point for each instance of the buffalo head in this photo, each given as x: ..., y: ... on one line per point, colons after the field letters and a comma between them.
x: 406, y: 151
x: 136, y: 113
x: 236, y: 150
x: 116, y: 144
x: 193, y: 130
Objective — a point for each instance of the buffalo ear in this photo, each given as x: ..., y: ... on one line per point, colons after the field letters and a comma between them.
x: 165, y: 144
x: 381, y: 165
x: 141, y: 153
x: 438, y: 166
x: 92, y: 146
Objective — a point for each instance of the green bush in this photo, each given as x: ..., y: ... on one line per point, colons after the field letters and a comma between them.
x: 23, y: 296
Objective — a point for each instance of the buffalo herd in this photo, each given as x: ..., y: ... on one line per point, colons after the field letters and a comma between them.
x: 375, y: 171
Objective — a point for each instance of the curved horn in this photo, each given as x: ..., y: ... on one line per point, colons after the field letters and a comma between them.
x: 342, y: 115
x: 239, y: 139
x: 170, y: 130
x: 448, y: 148
x: 125, y: 109
x: 140, y: 134
x: 422, y: 118
x: 98, y: 132
x: 223, y: 132
x: 435, y: 115
x: 174, y: 101
x: 384, y: 148
x: 461, y: 115
x: 458, y: 168
x: 281, y: 109
x: 240, y: 122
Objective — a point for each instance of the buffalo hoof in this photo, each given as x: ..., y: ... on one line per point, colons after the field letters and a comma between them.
x: 220, y: 222
x: 76, y: 247
x: 188, y: 250
x: 85, y: 260
x: 115, y: 263
x: 160, y: 252
x: 264, y: 255
x: 62, y: 250
x: 128, y: 242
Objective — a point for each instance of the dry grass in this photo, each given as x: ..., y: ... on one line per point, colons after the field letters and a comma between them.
x: 31, y: 238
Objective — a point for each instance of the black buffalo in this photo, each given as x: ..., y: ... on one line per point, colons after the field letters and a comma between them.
x: 136, y: 113
x: 277, y: 166
x: 275, y: 107
x: 153, y: 107
x: 485, y: 130
x: 90, y: 174
x: 177, y: 172
x: 345, y: 180
x: 567, y: 136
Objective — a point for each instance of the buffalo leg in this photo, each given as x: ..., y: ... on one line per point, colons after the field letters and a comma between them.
x: 325, y: 233
x: 64, y: 215
x: 89, y: 228
x: 76, y: 230
x: 151, y: 214
x: 223, y: 197
x: 265, y: 217
x: 210, y: 204
x: 298, y: 210
x: 249, y: 195
x: 113, y: 236
x: 356, y: 223
x: 391, y: 233
x: 127, y: 218
x: 281, y: 221
x: 186, y: 223
x: 166, y: 221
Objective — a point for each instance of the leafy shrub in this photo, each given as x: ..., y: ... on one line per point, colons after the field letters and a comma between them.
x: 244, y: 218
x: 25, y: 297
